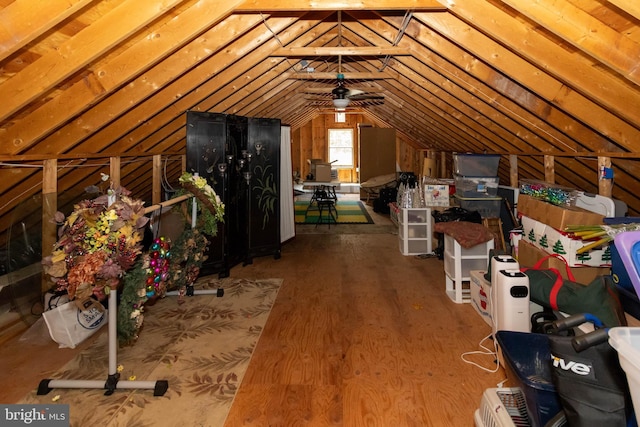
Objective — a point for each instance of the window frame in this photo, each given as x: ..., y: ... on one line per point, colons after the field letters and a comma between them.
x: 352, y: 146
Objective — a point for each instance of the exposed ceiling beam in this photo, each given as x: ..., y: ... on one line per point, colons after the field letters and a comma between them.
x: 341, y: 51
x: 107, y: 76
x: 89, y: 44
x: 532, y: 72
x: 24, y: 20
x: 631, y: 7
x: 585, y: 33
x: 327, y: 76
x: 315, y: 5
x: 327, y: 90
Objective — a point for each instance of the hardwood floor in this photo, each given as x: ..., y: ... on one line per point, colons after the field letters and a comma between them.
x: 360, y: 335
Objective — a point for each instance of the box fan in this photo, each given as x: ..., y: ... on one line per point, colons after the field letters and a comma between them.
x: 506, y: 407
x: 502, y: 407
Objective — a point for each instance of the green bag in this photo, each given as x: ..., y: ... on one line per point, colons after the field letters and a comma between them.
x: 600, y: 297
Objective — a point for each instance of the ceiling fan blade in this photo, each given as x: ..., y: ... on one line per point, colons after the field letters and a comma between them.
x: 365, y: 96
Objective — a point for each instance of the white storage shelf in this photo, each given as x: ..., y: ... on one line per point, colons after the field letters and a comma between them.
x: 415, y: 234
x: 458, y: 263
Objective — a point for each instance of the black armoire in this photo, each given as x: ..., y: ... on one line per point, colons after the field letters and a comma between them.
x: 240, y: 158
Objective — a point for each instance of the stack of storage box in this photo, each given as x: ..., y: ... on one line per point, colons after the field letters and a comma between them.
x: 476, y: 179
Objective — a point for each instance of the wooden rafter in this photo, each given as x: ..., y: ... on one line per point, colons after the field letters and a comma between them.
x: 585, y: 33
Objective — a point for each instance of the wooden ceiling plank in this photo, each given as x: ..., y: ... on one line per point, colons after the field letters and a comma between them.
x: 539, y: 116
x: 440, y: 87
x: 407, y: 117
x: 333, y: 5
x: 433, y: 90
x: 327, y: 90
x: 24, y: 20
x: 161, y: 106
x: 630, y: 6
x: 112, y: 75
x: 508, y: 135
x: 259, y: 66
x: 535, y: 79
x: 347, y: 76
x: 575, y: 72
x: 586, y: 33
x: 311, y: 51
x: 456, y: 73
x: 39, y: 77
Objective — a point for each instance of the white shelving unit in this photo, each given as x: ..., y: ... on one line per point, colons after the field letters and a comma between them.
x: 458, y: 263
x: 415, y: 231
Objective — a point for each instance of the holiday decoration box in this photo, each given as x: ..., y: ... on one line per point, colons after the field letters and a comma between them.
x: 555, y: 216
x: 529, y: 255
x: 554, y: 241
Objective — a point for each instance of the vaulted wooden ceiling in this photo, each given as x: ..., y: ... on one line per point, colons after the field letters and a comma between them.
x: 560, y: 77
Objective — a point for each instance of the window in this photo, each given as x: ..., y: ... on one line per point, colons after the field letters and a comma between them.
x: 341, y: 148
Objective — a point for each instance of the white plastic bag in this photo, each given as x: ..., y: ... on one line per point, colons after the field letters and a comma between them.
x: 69, y: 325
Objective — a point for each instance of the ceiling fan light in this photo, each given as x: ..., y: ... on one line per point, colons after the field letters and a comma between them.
x: 340, y: 103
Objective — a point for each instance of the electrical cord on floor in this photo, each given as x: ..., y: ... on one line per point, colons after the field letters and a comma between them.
x: 485, y: 350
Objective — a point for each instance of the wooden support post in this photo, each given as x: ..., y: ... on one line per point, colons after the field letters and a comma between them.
x: 184, y: 162
x: 549, y: 169
x: 49, y: 208
x: 443, y: 165
x: 156, y: 190
x: 605, y: 185
x: 429, y: 164
x: 513, y: 171
x: 114, y: 171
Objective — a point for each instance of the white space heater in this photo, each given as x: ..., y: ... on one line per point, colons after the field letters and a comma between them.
x: 511, y: 294
x: 499, y: 263
x: 502, y: 262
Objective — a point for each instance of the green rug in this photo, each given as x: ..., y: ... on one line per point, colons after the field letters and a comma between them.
x: 349, y: 212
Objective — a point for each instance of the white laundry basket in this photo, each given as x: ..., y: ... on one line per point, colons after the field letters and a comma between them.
x: 626, y: 341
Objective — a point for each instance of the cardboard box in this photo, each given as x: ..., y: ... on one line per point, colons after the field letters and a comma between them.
x: 557, y: 217
x: 528, y: 255
x: 436, y: 194
x: 554, y: 241
x: 480, y: 295
x: 323, y: 172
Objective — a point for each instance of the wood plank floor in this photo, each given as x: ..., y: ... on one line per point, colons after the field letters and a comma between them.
x: 360, y: 335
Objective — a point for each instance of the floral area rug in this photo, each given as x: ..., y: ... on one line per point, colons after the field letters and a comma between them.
x: 202, y: 347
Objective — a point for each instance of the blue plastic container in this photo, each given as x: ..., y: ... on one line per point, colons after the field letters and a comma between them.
x: 619, y: 273
x: 528, y: 365
x: 629, y: 300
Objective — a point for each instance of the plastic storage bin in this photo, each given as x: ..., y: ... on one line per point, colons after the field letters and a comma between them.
x: 476, y: 186
x: 458, y: 263
x: 489, y: 207
x: 476, y: 164
x: 626, y: 341
x: 415, y: 235
x: 628, y: 247
x: 527, y: 361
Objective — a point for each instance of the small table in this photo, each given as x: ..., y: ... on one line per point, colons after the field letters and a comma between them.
x: 323, y: 190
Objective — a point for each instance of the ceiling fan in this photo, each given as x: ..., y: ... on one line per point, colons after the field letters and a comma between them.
x: 343, y: 96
